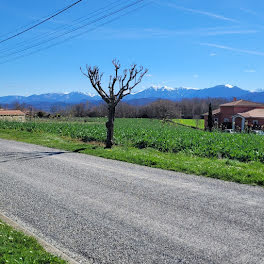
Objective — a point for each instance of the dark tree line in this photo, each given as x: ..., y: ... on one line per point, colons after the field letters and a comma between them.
x: 162, y: 109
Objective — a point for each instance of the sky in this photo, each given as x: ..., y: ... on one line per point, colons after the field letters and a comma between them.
x: 183, y: 43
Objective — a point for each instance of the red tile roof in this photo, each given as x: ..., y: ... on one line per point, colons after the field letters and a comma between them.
x: 243, y: 103
x: 255, y: 113
x: 214, y: 112
x: 11, y: 113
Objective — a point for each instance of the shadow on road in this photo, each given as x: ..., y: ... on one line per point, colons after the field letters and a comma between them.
x: 24, y: 156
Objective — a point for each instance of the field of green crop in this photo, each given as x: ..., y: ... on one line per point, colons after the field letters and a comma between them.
x: 165, y: 137
x: 199, y: 123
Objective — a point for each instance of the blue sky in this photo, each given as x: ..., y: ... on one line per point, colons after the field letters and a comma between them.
x: 186, y: 43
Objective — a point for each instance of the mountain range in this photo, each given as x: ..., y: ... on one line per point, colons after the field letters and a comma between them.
x: 45, y: 101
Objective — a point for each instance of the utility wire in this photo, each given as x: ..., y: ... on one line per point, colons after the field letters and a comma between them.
x: 13, y: 32
x: 61, y: 28
x: 75, y: 36
x: 75, y: 29
x: 42, y: 22
x: 34, y: 22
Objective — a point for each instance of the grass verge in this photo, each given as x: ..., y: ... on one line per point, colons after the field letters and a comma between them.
x: 15, y: 247
x: 224, y: 169
x: 197, y: 123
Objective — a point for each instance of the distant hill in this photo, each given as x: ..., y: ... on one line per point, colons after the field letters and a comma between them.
x: 71, y: 98
x: 254, y: 96
x: 46, y: 101
x: 176, y: 94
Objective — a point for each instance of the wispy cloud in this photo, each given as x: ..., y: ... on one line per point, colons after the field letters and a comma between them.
x: 230, y: 32
x: 250, y: 71
x: 202, y: 12
x: 200, y: 31
x: 143, y: 33
x: 252, y: 52
x: 249, y: 11
x: 213, y: 54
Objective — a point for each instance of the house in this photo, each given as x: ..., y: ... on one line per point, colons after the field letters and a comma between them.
x: 12, y: 115
x: 239, y: 113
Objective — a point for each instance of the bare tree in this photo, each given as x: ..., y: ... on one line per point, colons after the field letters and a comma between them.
x: 129, y: 80
x: 18, y: 106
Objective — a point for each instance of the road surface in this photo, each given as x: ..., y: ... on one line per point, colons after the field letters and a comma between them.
x: 113, y: 212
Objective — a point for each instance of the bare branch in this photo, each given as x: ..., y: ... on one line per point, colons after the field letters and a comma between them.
x: 116, y: 64
x: 113, y: 80
x: 95, y: 79
x: 128, y: 81
x: 127, y: 88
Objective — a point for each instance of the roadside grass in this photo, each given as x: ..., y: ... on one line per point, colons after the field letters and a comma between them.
x: 225, y: 169
x: 15, y: 247
x: 199, y: 123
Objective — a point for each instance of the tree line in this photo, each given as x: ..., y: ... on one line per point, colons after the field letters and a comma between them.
x: 161, y: 109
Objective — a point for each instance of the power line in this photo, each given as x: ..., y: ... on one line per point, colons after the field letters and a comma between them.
x: 63, y: 27
x: 42, y: 22
x: 75, y: 36
x: 13, y: 32
x: 75, y: 29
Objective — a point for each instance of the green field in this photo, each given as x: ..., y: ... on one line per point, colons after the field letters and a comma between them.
x: 15, y: 247
x: 165, y: 137
x: 235, y: 157
x: 198, y: 123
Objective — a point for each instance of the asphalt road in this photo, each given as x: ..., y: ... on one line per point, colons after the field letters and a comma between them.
x: 113, y: 212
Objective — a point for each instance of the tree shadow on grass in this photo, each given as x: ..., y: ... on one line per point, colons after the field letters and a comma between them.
x: 24, y: 156
x: 79, y: 150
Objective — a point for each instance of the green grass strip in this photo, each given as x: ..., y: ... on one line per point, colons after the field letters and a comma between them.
x: 15, y: 247
x: 199, y: 123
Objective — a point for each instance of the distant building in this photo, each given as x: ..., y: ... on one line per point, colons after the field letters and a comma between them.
x: 238, y: 113
x: 12, y: 115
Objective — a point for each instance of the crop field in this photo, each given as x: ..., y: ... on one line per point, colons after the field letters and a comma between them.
x: 199, y: 123
x: 165, y: 137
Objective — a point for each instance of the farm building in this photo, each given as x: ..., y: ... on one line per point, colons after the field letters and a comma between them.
x: 12, y: 115
x: 239, y: 113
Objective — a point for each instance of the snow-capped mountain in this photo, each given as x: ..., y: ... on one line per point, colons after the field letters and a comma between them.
x: 45, y: 101
x: 225, y: 91
x: 71, y: 98
x: 156, y: 92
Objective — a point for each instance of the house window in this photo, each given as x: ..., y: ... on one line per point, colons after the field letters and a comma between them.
x: 255, y: 122
x: 226, y: 120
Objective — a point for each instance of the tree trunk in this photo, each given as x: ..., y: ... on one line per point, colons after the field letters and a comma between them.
x: 110, y: 126
x: 210, y: 118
